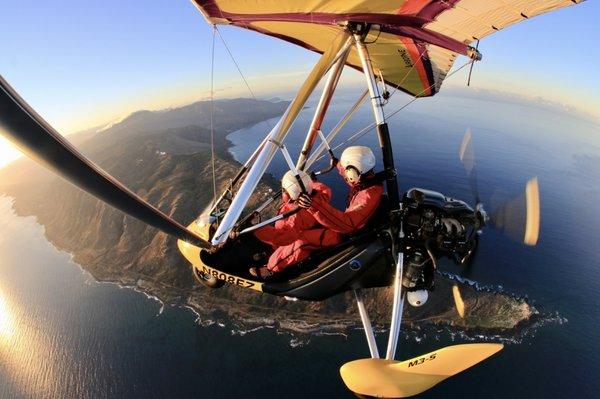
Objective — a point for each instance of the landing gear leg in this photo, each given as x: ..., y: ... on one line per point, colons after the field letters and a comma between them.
x: 364, y: 317
x: 397, y: 308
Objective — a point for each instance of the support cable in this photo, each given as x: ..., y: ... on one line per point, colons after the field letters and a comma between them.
x: 239, y: 69
x: 212, y: 109
x: 242, y: 171
x: 371, y: 126
x: 316, y: 156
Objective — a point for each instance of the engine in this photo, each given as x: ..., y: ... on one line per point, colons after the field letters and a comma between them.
x: 434, y: 226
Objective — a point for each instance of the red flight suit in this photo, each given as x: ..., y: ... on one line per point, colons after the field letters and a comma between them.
x: 297, y: 236
x: 362, y: 204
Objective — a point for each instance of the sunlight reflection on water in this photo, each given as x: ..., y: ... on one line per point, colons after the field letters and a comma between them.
x: 7, y: 329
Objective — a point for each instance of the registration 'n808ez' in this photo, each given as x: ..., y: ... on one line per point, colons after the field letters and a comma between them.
x: 228, y: 278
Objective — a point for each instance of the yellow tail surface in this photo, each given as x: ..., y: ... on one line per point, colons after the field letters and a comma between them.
x: 399, y: 379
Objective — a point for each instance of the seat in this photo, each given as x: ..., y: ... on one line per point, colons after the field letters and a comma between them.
x: 318, y: 260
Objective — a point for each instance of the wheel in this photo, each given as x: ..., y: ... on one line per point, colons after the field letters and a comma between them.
x: 206, y: 279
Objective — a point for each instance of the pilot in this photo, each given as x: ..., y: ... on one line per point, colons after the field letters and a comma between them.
x: 356, y: 167
x: 295, y: 237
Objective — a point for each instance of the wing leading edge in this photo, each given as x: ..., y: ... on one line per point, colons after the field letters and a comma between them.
x: 415, y: 45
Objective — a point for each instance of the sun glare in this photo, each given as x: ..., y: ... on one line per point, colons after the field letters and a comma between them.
x: 8, y: 152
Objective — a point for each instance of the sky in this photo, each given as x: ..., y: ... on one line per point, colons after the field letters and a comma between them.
x: 85, y: 64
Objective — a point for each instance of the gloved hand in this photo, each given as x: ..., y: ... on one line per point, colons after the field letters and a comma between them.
x: 452, y: 226
x: 304, y: 201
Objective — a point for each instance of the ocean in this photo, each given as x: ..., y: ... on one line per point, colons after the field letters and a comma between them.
x: 63, y: 335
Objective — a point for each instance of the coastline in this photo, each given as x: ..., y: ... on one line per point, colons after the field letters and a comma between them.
x: 498, y: 313
x: 245, y: 318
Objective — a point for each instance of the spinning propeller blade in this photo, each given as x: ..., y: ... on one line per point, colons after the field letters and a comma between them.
x: 532, y: 225
x: 467, y: 158
x: 459, y: 304
x: 519, y: 218
x: 394, y: 379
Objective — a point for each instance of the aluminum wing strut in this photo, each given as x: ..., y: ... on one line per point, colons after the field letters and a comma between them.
x: 277, y: 135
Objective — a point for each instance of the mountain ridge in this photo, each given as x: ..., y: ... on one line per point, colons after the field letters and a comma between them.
x: 166, y: 160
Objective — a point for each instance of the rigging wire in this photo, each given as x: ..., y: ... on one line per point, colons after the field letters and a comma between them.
x: 238, y: 69
x: 352, y: 138
x: 212, y: 108
x: 370, y: 127
x: 389, y: 96
x: 216, y: 31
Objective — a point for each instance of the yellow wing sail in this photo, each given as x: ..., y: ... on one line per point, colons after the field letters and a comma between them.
x: 413, y: 43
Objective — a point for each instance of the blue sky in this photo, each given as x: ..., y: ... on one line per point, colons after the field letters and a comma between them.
x: 84, y: 63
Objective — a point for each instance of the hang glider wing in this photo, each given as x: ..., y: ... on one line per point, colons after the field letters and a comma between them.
x: 417, y: 40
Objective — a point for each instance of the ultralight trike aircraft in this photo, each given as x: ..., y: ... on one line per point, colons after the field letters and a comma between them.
x: 407, y: 45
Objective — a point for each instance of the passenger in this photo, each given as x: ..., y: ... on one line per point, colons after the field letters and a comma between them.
x: 356, y: 167
x: 295, y: 237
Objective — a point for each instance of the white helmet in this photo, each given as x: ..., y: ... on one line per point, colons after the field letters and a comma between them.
x: 358, y: 157
x: 291, y: 186
x: 417, y: 298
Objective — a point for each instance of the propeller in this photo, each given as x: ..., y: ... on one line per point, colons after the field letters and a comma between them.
x: 466, y: 155
x: 518, y: 219
x: 458, y: 301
